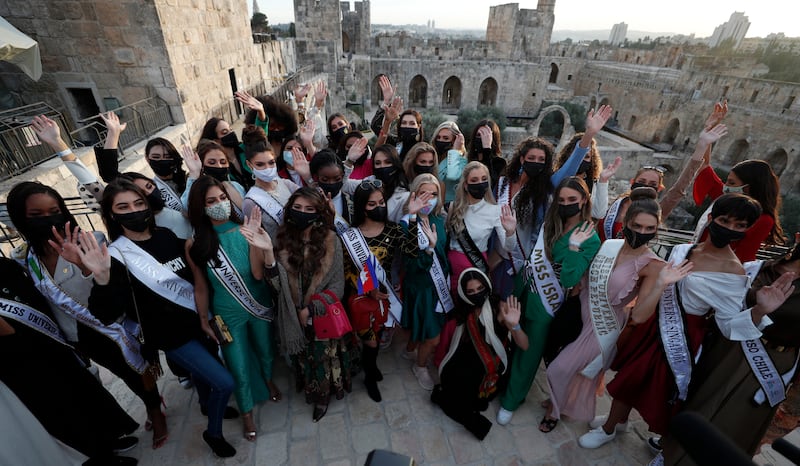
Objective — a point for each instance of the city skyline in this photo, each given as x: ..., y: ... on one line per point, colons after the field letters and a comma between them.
x: 682, y: 16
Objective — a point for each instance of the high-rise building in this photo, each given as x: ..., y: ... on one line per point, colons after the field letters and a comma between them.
x: 618, y: 33
x: 735, y: 28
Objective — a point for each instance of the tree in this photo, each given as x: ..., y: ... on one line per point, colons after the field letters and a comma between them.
x: 259, y: 23
x: 431, y: 118
x: 467, y: 119
x: 292, y: 31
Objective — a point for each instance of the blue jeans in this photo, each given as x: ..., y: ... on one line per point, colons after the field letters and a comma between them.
x: 214, y: 383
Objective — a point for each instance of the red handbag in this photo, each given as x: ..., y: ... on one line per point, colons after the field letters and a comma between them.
x: 334, y: 322
x: 368, y: 312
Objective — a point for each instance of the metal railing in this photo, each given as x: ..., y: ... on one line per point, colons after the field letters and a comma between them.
x: 144, y: 118
x: 88, y: 219
x: 20, y: 148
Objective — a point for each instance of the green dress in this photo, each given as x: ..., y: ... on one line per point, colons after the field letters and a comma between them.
x: 249, y: 356
x: 419, y: 293
x: 535, y: 320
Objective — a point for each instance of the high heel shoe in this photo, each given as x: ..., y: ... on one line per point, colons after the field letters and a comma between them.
x: 319, y: 411
x: 249, y: 427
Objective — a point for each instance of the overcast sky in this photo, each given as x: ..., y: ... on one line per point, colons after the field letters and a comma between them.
x: 677, y: 16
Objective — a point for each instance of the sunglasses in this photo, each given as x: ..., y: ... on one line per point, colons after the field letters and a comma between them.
x: 367, y: 184
x: 657, y: 168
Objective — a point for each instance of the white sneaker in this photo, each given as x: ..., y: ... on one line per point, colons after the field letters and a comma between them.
x: 409, y: 355
x: 504, y: 416
x: 423, y: 377
x: 601, y: 421
x: 596, y: 438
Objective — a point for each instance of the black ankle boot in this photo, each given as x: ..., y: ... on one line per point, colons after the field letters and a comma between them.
x: 369, y: 360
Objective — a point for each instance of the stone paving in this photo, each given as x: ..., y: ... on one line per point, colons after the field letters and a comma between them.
x: 406, y: 422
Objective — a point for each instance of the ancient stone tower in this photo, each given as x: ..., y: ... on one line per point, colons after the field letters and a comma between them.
x: 318, y: 33
x: 521, y: 34
x: 355, y: 27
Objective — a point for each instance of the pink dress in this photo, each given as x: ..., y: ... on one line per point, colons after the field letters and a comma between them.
x: 571, y: 393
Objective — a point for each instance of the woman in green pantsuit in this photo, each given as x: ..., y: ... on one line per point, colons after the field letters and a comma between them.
x: 558, y: 261
x: 239, y: 295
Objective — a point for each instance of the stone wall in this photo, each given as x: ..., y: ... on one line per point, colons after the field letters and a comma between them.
x: 318, y: 32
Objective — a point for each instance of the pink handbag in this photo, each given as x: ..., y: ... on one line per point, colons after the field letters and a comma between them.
x: 334, y: 323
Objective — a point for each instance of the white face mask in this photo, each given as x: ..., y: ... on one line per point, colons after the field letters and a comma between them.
x: 429, y: 208
x: 267, y: 174
x: 733, y: 189
x: 219, y: 211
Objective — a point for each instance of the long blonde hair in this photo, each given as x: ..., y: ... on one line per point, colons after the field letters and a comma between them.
x: 553, y: 225
x: 411, y: 159
x: 427, y: 178
x: 455, y: 215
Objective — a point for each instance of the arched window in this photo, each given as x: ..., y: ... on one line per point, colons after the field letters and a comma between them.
x: 487, y: 93
x: 418, y: 92
x: 451, y: 94
x: 553, y: 73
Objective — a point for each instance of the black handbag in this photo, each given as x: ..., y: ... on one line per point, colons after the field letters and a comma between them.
x: 564, y: 329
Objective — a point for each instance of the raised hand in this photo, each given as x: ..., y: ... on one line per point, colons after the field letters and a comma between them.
x: 387, y: 90
x: 716, y: 117
x: 580, y: 234
x: 192, y: 161
x: 357, y: 149
x: 486, y: 136
x: 320, y: 92
x: 672, y: 273
x: 301, y: 91
x: 458, y: 144
x: 710, y: 136
x: 47, y: 130
x: 307, y: 132
x: 67, y: 246
x: 511, y: 312
x: 595, y: 120
x: 417, y: 202
x: 300, y: 164
x: 610, y: 169
x: 508, y: 219
x: 393, y: 111
x: 111, y: 120
x: 249, y: 101
x: 771, y: 297
x: 254, y: 233
x: 429, y: 231
x: 95, y: 258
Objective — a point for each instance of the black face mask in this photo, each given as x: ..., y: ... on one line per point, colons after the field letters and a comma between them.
x: 635, y: 239
x: 532, y: 168
x: 586, y: 167
x: 301, y: 220
x: 384, y: 173
x: 479, y: 298
x: 276, y: 135
x: 721, y: 236
x: 408, y: 134
x: 566, y: 211
x: 219, y: 173
x: 41, y: 228
x: 230, y: 140
x: 478, y: 190
x: 156, y: 201
x: 420, y: 169
x: 162, y: 167
x: 337, y: 135
x: 331, y: 189
x: 135, y: 221
x: 378, y: 214
x: 442, y: 147
x: 638, y: 185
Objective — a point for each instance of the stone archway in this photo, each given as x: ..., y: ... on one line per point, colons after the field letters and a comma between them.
x: 566, y: 133
x: 778, y: 159
x: 375, y: 93
x: 671, y: 133
x: 553, y: 73
x: 451, y: 94
x: 418, y: 92
x: 487, y: 93
x: 604, y: 101
x: 737, y: 151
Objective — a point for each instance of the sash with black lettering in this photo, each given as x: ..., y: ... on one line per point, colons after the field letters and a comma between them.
x: 31, y: 318
x: 439, y: 278
x: 359, y: 251
x: 604, y: 320
x: 702, y: 223
x: 542, y: 278
x: 170, y: 197
x: 233, y: 282
x: 123, y: 337
x: 471, y: 250
x: 153, y: 274
x: 611, y: 217
x: 503, y: 190
x: 673, y: 335
x: 269, y: 204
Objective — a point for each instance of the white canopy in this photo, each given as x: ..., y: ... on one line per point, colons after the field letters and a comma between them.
x: 19, y: 49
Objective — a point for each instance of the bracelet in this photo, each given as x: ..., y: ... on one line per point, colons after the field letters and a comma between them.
x: 574, y: 244
x: 516, y: 327
x: 64, y: 152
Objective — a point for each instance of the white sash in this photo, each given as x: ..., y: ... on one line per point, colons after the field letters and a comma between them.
x: 440, y: 280
x: 153, y: 274
x: 340, y: 224
x: 673, y: 336
x: 702, y: 223
x: 171, y: 198
x: 359, y: 251
x: 542, y: 278
x: 269, y: 204
x: 32, y: 318
x: 233, y: 282
x: 503, y: 190
x: 604, y: 320
x: 123, y: 337
x: 611, y: 218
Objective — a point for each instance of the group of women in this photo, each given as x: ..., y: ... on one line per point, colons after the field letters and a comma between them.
x: 262, y: 244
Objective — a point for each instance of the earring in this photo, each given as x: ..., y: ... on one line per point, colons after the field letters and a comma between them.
x: 253, y: 176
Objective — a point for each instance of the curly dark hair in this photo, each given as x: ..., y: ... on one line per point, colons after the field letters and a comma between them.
x: 206, y: 240
x: 536, y: 192
x: 255, y: 141
x: 290, y: 239
x: 277, y: 112
x: 17, y: 207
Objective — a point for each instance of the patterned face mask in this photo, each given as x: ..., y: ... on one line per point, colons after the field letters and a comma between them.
x: 219, y: 211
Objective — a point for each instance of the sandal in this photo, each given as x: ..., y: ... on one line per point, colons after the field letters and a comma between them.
x: 159, y: 427
x: 547, y: 424
x: 249, y: 427
x: 274, y: 392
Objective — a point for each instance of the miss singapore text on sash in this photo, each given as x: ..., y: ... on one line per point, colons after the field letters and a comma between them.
x: 31, y: 318
x: 124, y: 338
x: 171, y: 198
x: 440, y: 280
x: 673, y: 335
x: 233, y: 282
x: 269, y: 204
x: 611, y: 217
x: 604, y: 320
x: 153, y: 274
x: 542, y: 278
x: 359, y: 252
